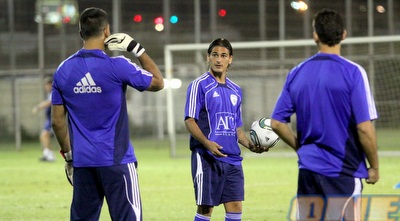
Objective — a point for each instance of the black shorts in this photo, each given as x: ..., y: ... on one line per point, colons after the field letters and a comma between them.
x: 216, y: 182
x: 118, y: 184
x: 327, y: 198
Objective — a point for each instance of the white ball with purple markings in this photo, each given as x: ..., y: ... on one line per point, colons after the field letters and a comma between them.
x: 262, y: 134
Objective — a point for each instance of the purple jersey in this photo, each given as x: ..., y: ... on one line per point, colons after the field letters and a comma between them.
x: 92, y: 87
x: 217, y: 109
x: 330, y: 96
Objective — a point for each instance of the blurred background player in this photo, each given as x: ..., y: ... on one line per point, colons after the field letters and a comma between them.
x: 91, y: 87
x: 214, y: 119
x: 46, y: 133
x: 334, y: 110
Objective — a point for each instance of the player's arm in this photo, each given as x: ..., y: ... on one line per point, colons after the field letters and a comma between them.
x: 59, y: 126
x: 124, y: 42
x: 285, y: 133
x: 243, y: 140
x: 42, y: 105
x: 367, y: 135
x: 157, y: 83
x: 193, y: 128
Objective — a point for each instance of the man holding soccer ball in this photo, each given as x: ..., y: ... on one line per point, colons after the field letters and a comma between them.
x: 213, y: 118
x: 334, y: 108
x: 89, y: 90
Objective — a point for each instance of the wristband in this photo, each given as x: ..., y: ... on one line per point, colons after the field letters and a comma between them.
x: 135, y: 48
x: 67, y: 156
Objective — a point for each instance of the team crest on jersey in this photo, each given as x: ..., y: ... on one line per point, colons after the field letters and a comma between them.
x: 234, y: 99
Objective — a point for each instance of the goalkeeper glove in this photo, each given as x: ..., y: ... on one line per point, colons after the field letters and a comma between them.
x: 69, y: 169
x: 124, y: 42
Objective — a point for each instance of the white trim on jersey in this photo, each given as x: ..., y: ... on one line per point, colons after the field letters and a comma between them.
x: 370, y: 100
x: 143, y: 71
x: 193, y: 93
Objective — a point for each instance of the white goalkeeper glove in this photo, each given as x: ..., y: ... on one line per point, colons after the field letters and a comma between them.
x: 69, y: 169
x: 124, y: 42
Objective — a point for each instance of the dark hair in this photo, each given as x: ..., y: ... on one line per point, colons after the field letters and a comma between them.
x: 329, y: 26
x: 92, y: 22
x: 220, y: 42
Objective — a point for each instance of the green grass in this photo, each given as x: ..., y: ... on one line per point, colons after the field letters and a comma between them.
x: 32, y: 190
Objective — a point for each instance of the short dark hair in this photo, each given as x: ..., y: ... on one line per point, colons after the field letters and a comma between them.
x: 329, y: 26
x: 220, y: 42
x: 92, y: 22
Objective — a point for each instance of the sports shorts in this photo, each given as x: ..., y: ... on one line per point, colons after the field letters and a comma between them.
x: 216, y: 182
x: 47, y: 125
x: 118, y: 184
x: 329, y: 198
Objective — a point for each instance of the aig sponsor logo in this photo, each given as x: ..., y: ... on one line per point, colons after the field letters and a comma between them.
x: 357, y: 208
x: 225, y: 124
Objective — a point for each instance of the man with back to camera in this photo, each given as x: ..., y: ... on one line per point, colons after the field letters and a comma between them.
x: 334, y: 110
x: 89, y: 87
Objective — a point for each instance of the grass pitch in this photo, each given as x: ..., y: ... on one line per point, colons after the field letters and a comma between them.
x: 33, y: 190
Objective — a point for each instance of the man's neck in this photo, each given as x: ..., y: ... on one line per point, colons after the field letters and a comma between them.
x: 92, y: 44
x: 329, y: 50
x: 219, y: 76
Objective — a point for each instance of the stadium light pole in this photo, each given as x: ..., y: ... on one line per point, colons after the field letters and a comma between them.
x: 11, y: 27
x: 390, y: 16
x: 116, y: 17
x: 62, y: 34
x: 159, y: 96
x: 349, y: 24
x: 170, y: 105
x: 17, y: 117
x: 41, y: 58
x: 282, y: 27
x: 307, y: 29
x: 197, y: 29
x: 262, y: 26
x: 371, y: 66
x: 213, y: 18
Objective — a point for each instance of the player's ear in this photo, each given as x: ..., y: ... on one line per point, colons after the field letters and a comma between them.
x: 80, y: 31
x: 107, y: 31
x: 344, y: 34
x: 315, y: 36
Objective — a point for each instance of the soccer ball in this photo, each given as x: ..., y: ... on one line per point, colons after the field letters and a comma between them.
x: 262, y: 135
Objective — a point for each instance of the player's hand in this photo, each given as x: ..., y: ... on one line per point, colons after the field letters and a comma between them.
x: 124, y: 42
x: 256, y: 149
x: 265, y: 149
x: 35, y: 109
x: 215, y: 148
x: 373, y: 176
x: 69, y: 172
x: 69, y: 168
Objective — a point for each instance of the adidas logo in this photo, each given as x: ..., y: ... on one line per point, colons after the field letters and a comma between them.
x: 86, y: 85
x: 215, y: 94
